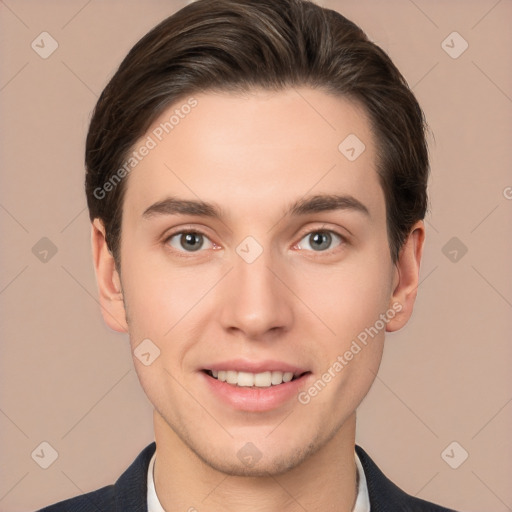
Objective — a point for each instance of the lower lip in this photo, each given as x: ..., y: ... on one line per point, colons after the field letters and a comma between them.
x: 255, y: 399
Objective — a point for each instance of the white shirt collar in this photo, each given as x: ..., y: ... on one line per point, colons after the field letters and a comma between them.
x: 362, y: 502
x: 154, y: 504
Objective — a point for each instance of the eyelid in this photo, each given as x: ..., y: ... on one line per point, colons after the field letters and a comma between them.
x: 325, y: 229
x: 344, y: 240
x: 184, y: 229
x: 181, y: 231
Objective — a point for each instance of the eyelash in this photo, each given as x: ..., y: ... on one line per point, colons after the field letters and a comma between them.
x: 343, y: 240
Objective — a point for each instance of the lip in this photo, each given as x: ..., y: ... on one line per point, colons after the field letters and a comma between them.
x: 244, y: 365
x: 255, y: 399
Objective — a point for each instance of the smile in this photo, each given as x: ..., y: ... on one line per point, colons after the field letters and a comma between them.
x: 263, y: 379
x: 269, y: 386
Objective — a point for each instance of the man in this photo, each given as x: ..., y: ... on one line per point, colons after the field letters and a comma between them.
x: 256, y: 182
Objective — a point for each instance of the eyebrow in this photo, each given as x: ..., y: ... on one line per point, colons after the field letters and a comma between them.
x: 303, y: 206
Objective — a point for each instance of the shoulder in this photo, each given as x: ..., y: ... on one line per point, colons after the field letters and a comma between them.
x: 386, y: 496
x: 100, y: 499
x: 128, y: 493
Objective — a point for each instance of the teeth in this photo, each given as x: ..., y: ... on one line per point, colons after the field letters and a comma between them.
x: 287, y: 377
x: 263, y: 380
x: 247, y: 379
x: 277, y: 378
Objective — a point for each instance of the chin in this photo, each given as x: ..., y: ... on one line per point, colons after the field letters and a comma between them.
x: 248, y: 461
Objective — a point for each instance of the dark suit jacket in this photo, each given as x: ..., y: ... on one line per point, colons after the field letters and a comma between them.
x: 129, y: 493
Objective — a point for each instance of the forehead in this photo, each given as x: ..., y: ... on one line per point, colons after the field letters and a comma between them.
x: 256, y: 151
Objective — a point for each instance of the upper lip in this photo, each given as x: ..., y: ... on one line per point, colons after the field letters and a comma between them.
x: 245, y: 365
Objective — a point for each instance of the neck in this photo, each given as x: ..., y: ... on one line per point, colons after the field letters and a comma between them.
x: 324, y: 481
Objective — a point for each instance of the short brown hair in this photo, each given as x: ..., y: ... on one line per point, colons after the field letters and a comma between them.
x: 238, y: 45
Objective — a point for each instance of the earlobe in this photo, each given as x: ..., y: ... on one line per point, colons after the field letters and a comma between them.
x: 108, y: 280
x: 406, y: 278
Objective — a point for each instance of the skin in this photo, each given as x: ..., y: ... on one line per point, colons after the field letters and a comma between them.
x: 253, y: 155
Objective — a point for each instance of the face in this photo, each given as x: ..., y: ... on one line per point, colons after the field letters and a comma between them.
x: 264, y: 283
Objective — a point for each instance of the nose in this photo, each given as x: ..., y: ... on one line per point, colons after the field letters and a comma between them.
x: 256, y: 302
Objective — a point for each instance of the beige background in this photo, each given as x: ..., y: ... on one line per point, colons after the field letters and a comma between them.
x: 68, y: 380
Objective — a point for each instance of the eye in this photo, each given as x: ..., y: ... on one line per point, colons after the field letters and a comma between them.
x: 319, y: 240
x: 187, y: 241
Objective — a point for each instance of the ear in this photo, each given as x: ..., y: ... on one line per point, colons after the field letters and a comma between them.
x: 109, y: 282
x: 406, y: 278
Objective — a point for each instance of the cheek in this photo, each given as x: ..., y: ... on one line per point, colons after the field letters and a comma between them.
x: 160, y: 294
x: 350, y: 297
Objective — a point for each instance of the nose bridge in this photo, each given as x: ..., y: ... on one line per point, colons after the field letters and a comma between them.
x: 256, y: 300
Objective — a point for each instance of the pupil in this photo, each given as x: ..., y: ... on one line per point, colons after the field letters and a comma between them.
x: 322, y: 238
x: 193, y: 239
